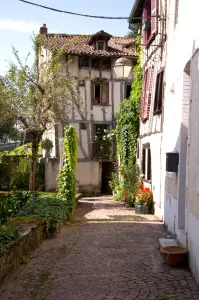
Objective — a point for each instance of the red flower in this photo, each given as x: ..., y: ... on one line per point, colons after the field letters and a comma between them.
x: 137, y: 195
x: 143, y: 199
x: 140, y: 186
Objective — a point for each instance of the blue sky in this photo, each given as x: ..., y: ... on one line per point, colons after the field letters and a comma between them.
x: 19, y: 20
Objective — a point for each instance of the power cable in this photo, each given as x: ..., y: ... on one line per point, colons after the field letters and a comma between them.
x: 73, y: 13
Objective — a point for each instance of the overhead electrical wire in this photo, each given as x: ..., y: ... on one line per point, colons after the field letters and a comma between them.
x: 73, y: 13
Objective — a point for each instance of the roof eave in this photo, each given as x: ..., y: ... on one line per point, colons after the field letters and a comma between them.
x: 136, y: 12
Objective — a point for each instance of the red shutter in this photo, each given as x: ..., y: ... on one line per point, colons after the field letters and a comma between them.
x: 149, y: 101
x: 143, y: 93
x: 147, y: 93
x: 154, y: 19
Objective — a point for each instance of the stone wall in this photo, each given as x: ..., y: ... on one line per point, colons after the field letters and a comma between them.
x: 19, y: 249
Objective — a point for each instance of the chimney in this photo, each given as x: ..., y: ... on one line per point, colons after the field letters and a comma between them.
x: 43, y: 29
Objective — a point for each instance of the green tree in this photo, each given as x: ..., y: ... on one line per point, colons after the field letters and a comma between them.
x: 38, y: 95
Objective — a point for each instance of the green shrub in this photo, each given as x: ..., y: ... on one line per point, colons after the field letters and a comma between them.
x: 52, y: 210
x: 20, y: 175
x: 11, y: 203
x: 7, y: 235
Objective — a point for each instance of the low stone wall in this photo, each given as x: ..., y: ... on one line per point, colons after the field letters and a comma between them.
x: 19, y: 249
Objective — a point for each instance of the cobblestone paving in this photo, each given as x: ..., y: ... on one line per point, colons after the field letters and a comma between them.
x: 107, y: 257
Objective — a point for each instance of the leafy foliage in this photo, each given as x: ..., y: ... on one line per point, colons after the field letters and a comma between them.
x: 34, y: 94
x: 67, y: 176
x: 50, y: 208
x: 15, y: 171
x: 7, y: 235
x: 11, y: 203
x: 127, y: 130
x: 47, y: 145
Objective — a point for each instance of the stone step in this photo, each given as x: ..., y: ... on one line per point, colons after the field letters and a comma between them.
x: 167, y: 242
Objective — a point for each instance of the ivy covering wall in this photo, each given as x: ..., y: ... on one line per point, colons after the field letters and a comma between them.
x: 127, y: 132
x: 127, y: 120
x: 67, y: 176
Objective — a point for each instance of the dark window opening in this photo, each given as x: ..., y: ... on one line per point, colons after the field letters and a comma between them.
x: 100, y: 45
x: 138, y: 149
x: 101, y: 93
x: 83, y: 126
x: 128, y: 90
x: 84, y: 62
x: 146, y: 162
x: 95, y: 63
x: 106, y: 64
x: 158, y: 93
x: 102, y: 146
x: 149, y: 165
x: 143, y: 160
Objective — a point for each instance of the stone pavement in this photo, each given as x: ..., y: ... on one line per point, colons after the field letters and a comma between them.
x: 108, y: 253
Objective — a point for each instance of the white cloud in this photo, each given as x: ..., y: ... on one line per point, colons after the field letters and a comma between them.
x: 19, y: 25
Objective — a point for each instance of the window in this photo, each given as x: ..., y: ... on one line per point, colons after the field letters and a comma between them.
x: 106, y: 64
x: 84, y: 62
x: 101, y: 93
x: 128, y: 90
x: 102, y: 146
x: 95, y: 63
x: 83, y: 126
x: 100, y: 45
x: 149, y: 21
x: 146, y: 162
x: 158, y: 93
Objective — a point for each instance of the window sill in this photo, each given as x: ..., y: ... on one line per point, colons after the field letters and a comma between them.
x: 157, y: 112
x: 101, y: 104
x: 147, y: 181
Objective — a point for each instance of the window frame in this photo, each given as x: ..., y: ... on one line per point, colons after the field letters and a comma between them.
x: 104, y: 45
x: 80, y: 62
x: 101, y: 84
x: 159, y: 92
x: 146, y: 163
x: 94, y: 145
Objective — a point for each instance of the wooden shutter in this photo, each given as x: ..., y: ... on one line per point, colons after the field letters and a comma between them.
x: 149, y: 165
x: 150, y: 91
x: 146, y: 100
x: 144, y: 18
x: 154, y: 19
x: 143, y: 93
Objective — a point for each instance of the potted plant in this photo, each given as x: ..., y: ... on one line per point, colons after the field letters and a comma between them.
x: 47, y: 145
x: 114, y: 182
x: 143, y: 200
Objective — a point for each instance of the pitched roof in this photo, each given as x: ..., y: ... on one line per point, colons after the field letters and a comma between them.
x: 77, y: 44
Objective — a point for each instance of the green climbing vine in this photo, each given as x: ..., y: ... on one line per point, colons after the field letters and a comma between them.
x: 127, y: 130
x: 67, y: 176
x: 127, y: 120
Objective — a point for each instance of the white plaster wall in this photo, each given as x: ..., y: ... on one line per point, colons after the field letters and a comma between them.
x: 193, y: 245
x: 180, y: 51
x: 51, y: 172
x: 89, y: 174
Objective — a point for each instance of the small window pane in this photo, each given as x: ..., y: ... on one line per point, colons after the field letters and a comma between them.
x: 104, y: 93
x: 95, y: 63
x: 106, y: 64
x: 84, y: 62
x: 97, y: 93
x: 128, y: 90
x: 100, y: 45
x: 83, y: 126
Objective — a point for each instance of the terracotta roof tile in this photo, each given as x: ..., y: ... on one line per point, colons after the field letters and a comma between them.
x: 79, y: 45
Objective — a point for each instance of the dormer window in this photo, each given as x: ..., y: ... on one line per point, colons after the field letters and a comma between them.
x: 100, y: 45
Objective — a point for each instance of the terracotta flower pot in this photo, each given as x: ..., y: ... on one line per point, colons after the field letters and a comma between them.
x: 174, y: 255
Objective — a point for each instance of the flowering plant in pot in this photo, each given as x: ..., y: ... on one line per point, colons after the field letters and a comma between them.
x: 143, y: 200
